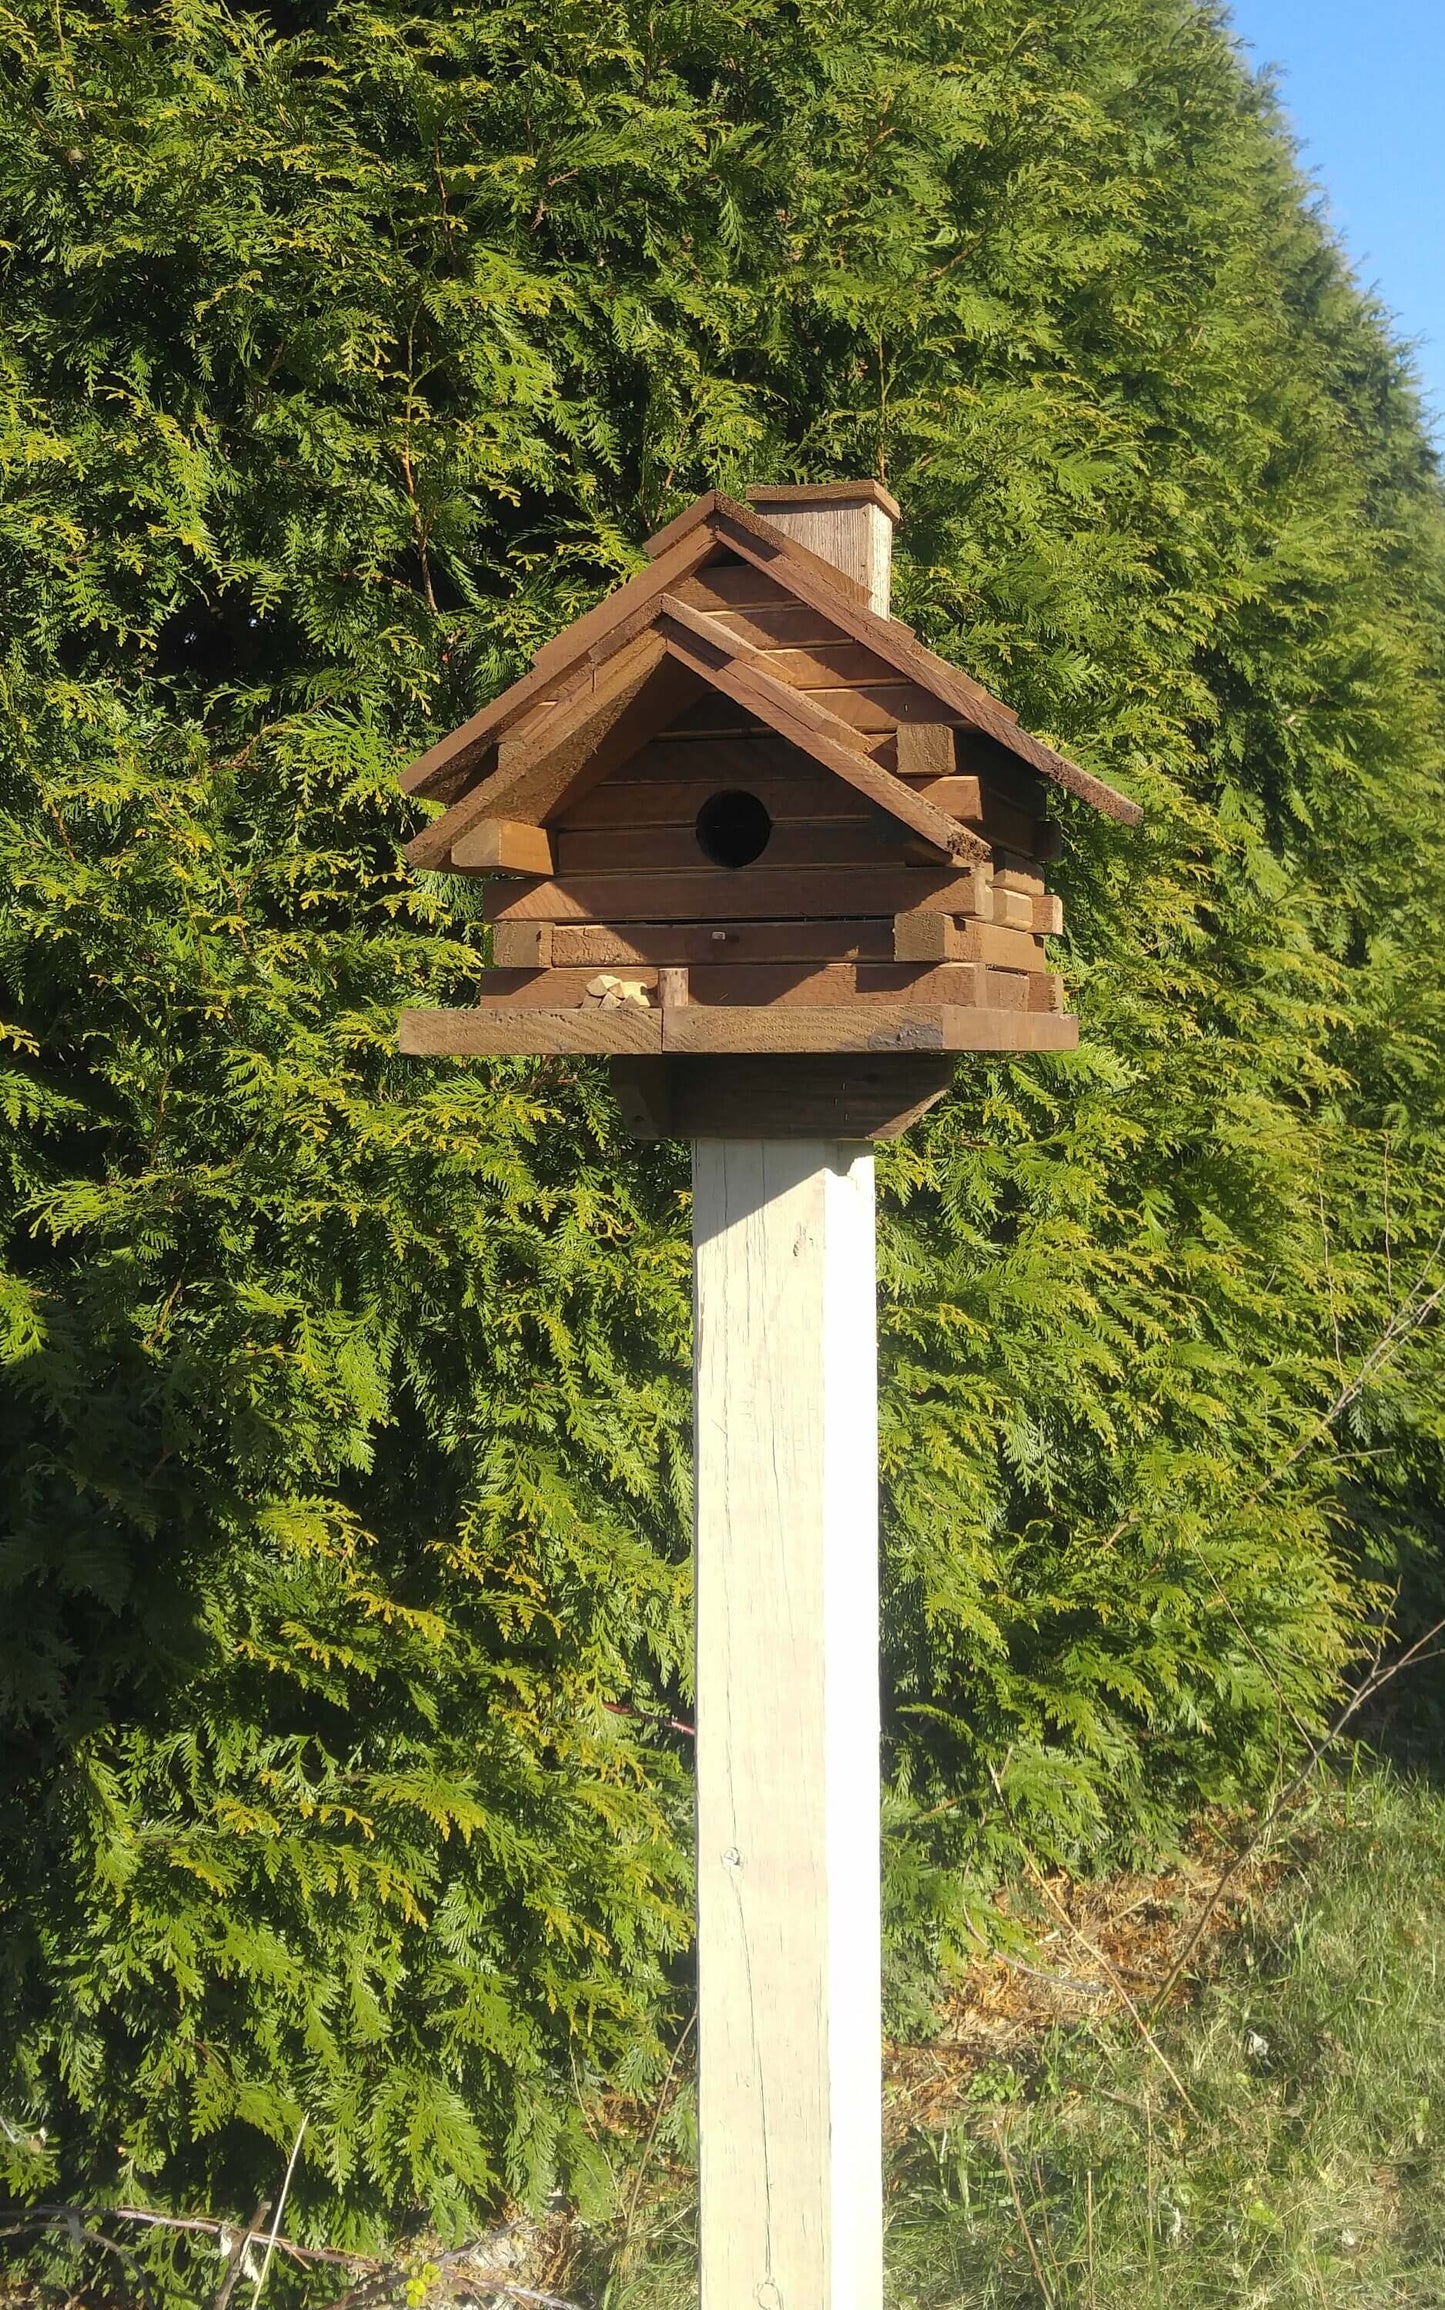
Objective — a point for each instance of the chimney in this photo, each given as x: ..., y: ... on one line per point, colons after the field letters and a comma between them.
x: 849, y: 523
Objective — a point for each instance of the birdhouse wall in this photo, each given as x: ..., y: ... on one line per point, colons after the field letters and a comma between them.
x: 747, y: 810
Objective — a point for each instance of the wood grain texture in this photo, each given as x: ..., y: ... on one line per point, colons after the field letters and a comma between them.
x: 929, y: 936
x: 501, y: 846
x: 789, y: 2020
x: 622, y: 801
x: 834, y: 983
x: 456, y: 761
x: 926, y: 750
x: 758, y: 612
x: 750, y: 984
x: 713, y: 894
x: 982, y: 806
x: 851, y: 533
x: 500, y: 1033
x: 526, y: 786
x: 901, y: 1026
x: 859, y: 840
x: 800, y: 1095
x: 604, y: 945
x: 805, y: 718
x: 948, y: 686
x: 523, y: 946
x: 725, y: 520
x: 1012, y: 908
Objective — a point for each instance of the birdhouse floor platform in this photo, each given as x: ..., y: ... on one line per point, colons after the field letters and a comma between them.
x: 492, y: 1031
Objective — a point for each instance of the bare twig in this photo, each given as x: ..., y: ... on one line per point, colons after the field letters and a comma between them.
x: 204, y: 2225
x: 1374, y: 1683
x: 1077, y: 1933
x: 631, y: 2214
x: 280, y: 2210
x: 235, y: 2261
x: 1013, y: 2190
x: 390, y: 2274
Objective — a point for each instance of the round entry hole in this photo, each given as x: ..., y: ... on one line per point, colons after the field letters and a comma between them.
x: 733, y: 828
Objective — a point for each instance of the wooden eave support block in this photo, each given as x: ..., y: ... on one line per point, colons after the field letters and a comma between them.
x: 527, y: 946
x: 926, y: 936
x: 504, y: 846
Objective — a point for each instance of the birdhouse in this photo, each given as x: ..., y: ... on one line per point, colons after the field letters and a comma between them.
x: 744, y: 835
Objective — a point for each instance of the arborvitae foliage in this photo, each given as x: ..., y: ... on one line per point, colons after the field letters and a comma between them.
x: 347, y: 353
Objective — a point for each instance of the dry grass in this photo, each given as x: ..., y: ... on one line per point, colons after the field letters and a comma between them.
x: 1274, y: 2139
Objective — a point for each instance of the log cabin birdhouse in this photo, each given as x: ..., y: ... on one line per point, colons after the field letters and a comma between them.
x: 743, y: 834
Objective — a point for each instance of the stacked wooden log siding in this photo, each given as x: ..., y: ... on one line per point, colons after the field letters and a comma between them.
x: 737, y: 808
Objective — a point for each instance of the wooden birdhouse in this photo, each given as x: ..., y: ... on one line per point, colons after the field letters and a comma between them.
x: 745, y: 835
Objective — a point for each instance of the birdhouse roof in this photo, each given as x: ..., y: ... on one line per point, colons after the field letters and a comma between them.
x: 601, y: 688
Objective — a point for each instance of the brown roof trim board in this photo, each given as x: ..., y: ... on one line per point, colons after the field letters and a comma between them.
x: 442, y: 773
x: 709, y: 511
x: 826, y: 736
x: 900, y: 648
x: 569, y: 665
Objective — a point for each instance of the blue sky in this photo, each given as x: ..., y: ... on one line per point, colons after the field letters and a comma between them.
x: 1363, y: 82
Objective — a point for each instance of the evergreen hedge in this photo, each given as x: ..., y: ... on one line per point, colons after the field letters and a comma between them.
x: 348, y: 351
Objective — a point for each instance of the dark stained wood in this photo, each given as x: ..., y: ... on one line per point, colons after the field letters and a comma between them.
x: 743, y: 587
x: 635, y: 695
x: 646, y: 849
x: 621, y: 802
x: 937, y: 936
x: 979, y: 757
x: 557, y: 989
x: 777, y: 622
x: 798, y: 1096
x: 836, y: 665
x: 902, y: 1026
x: 493, y: 1034
x: 751, y: 984
x: 455, y: 761
x: 735, y: 760
x: 710, y: 651
x: 491, y: 1031
x: 623, y: 604
x: 894, y: 643
x: 753, y: 893
x: 926, y: 750
x: 717, y: 716
x: 721, y: 514
x: 877, y: 708
x: 523, y: 946
x: 608, y: 946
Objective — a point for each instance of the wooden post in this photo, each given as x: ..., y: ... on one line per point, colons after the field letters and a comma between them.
x: 790, y: 2084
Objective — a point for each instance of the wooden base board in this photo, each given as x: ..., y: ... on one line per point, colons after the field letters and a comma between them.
x: 768, y: 1095
x: 870, y: 1027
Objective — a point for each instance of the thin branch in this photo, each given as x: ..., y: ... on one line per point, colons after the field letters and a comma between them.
x: 631, y: 2214
x: 1095, y: 1952
x: 1013, y: 2190
x: 1373, y: 1684
x: 280, y: 2210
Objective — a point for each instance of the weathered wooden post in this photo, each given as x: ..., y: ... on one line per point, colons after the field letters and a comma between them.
x: 781, y: 864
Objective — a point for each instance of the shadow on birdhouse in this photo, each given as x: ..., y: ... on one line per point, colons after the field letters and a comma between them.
x: 744, y: 835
